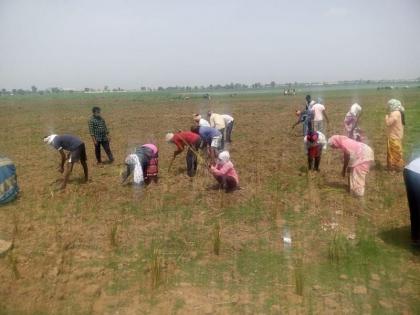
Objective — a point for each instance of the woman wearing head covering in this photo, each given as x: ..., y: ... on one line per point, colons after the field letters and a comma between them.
x: 143, y: 164
x: 351, y: 122
x: 395, y: 122
x: 412, y: 184
x: 224, y: 172
x: 358, y: 157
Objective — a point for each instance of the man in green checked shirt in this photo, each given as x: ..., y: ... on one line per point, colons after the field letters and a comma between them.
x: 100, y: 135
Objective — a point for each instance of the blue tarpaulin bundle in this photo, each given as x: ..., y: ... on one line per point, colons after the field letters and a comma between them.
x: 8, y: 181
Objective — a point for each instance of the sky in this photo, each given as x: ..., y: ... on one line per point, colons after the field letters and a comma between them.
x: 129, y: 43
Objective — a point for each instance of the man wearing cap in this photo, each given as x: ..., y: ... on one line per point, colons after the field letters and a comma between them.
x: 76, y: 152
x: 192, y: 141
x: 217, y: 121
x: 100, y: 135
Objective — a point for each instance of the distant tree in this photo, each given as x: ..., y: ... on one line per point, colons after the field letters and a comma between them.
x: 272, y: 84
x: 106, y: 88
x: 34, y: 89
x: 86, y: 89
x: 55, y: 90
x: 20, y: 92
x: 14, y: 91
x: 143, y: 88
x: 4, y: 92
x: 160, y: 88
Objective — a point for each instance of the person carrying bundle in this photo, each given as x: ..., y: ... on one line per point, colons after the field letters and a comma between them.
x: 351, y: 121
x: 192, y: 141
x: 358, y: 158
x: 395, y: 122
x: 76, y: 152
x: 224, y: 172
x: 211, y: 138
x: 314, y: 142
x: 143, y: 164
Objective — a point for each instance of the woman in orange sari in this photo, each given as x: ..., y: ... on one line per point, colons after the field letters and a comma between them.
x: 395, y: 122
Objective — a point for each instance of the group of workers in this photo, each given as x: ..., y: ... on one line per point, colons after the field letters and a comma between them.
x: 206, y: 137
x: 205, y: 142
x: 358, y: 157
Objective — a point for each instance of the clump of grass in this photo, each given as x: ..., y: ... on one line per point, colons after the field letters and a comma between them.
x: 338, y: 248
x: 15, y: 225
x: 13, y: 262
x: 217, y: 239
x: 156, y: 268
x: 113, y: 235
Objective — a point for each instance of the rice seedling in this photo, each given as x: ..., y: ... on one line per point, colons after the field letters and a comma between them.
x: 299, y: 278
x: 113, y: 235
x: 13, y: 262
x: 216, y: 239
x: 338, y: 248
x: 156, y: 268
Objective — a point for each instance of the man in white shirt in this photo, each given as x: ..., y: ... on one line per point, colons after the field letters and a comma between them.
x: 412, y: 184
x: 217, y: 121
x: 318, y: 113
x: 229, y: 127
x: 200, y: 121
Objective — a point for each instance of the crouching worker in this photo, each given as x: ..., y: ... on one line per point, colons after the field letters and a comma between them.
x: 143, y: 164
x: 76, y: 152
x: 358, y: 157
x: 225, y: 173
x: 315, y: 142
x: 192, y: 141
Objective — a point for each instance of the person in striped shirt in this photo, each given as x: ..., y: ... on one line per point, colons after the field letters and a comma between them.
x: 100, y: 135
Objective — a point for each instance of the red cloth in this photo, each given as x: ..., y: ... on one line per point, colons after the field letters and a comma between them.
x: 315, y: 151
x: 152, y: 168
x: 183, y: 137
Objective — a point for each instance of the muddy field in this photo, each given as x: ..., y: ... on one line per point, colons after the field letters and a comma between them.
x: 100, y: 248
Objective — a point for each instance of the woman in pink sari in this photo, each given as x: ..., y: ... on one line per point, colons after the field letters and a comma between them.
x: 358, y: 157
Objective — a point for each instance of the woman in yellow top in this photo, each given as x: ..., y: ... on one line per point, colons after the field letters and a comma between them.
x: 395, y: 122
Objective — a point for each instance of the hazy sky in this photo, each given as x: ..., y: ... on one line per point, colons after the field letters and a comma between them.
x: 76, y: 44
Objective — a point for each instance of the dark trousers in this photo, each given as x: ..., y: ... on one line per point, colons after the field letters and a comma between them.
x: 412, y: 185
x: 313, y: 162
x: 105, y: 145
x: 229, y: 129
x: 222, y: 143
x: 192, y: 159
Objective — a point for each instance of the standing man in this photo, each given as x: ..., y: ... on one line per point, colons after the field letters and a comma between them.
x: 229, y: 127
x: 319, y: 113
x: 76, y: 152
x: 192, y: 141
x: 100, y: 135
x: 217, y: 121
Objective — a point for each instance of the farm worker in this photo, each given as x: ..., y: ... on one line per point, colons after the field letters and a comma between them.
x: 143, y: 164
x: 229, y: 126
x: 100, y: 135
x: 224, y: 172
x: 314, y: 142
x: 319, y: 113
x: 412, y: 184
x: 212, y: 138
x: 395, y: 122
x: 201, y: 122
x: 308, y: 101
x: 351, y: 122
x: 304, y: 118
x: 192, y: 141
x: 76, y: 152
x: 217, y: 121
x: 358, y: 157
x: 8, y: 180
